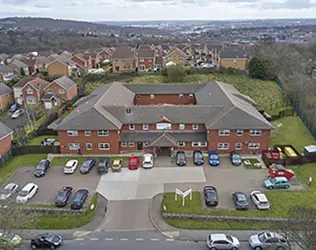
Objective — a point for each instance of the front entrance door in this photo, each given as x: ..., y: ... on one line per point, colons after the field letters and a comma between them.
x: 139, y: 146
x: 165, y: 151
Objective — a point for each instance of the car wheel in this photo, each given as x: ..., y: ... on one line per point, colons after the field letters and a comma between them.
x: 286, y: 187
x: 52, y: 247
x: 213, y: 248
x: 33, y: 246
x: 270, y: 187
x: 257, y: 248
x: 234, y: 248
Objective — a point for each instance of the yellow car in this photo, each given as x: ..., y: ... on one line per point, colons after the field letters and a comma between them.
x: 117, y: 165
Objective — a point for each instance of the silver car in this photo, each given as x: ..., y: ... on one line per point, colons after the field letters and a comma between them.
x: 222, y: 241
x: 8, y: 191
x: 268, y: 240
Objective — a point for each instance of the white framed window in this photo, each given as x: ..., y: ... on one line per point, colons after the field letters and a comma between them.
x: 255, y: 132
x: 191, y: 96
x: 131, y: 144
x: 87, y: 132
x: 89, y: 146
x: 132, y: 127
x: 103, y: 132
x: 181, y: 144
x: 181, y: 96
x: 29, y: 91
x: 239, y: 132
x: 73, y: 146
x: 203, y: 144
x: 238, y: 146
x: 253, y: 145
x: 195, y: 144
x: 141, y: 59
x: 141, y: 67
x: 222, y: 146
x: 72, y: 132
x: 195, y: 126
x: 124, y: 144
x: 49, y: 91
x: 61, y: 91
x: 224, y: 132
x: 104, y: 146
x: 146, y: 144
x: 145, y: 126
x: 30, y: 100
x: 137, y: 96
x: 181, y: 126
x: 152, y: 96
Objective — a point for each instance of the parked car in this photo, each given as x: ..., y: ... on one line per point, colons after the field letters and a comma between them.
x: 41, y: 168
x: 13, y: 108
x: 260, y: 200
x: 148, y: 161
x: 268, y: 240
x: 47, y: 240
x: 277, y: 182
x: 79, y: 199
x: 63, y: 196
x: 87, y: 165
x: 17, y: 114
x: 10, y: 240
x: 213, y: 158
x: 27, y: 192
x: 117, y: 165
x: 210, y: 196
x: 133, y: 162
x: 241, y: 201
x: 198, y: 158
x: 8, y: 191
x: 103, y: 165
x: 235, y: 158
x: 71, y: 167
x: 181, y: 158
x: 222, y: 241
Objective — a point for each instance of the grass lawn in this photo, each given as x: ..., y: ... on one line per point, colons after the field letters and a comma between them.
x: 18, y: 161
x: 252, y: 161
x: 266, y: 93
x: 37, y: 140
x: 61, y: 161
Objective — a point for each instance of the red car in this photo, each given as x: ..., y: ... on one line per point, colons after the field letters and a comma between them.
x: 133, y: 162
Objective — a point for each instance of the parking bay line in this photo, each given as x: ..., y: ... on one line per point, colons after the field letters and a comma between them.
x: 123, y: 239
x: 94, y: 239
x: 79, y: 238
x: 139, y: 239
x: 108, y: 239
x: 169, y: 239
x: 154, y: 239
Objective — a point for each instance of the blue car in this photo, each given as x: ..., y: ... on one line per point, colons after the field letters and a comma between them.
x: 213, y: 158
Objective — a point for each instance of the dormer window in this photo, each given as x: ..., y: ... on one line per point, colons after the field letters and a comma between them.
x: 128, y: 110
x: 191, y: 96
x: 181, y: 96
x: 132, y: 127
x: 29, y: 91
x: 152, y: 96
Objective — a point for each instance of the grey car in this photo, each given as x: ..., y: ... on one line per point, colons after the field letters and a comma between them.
x: 268, y: 241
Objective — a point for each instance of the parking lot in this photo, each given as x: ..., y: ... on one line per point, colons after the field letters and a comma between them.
x: 53, y: 181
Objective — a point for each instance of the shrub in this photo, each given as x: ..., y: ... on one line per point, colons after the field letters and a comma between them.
x: 176, y: 73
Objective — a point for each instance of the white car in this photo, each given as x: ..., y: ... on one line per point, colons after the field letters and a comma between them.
x: 71, y: 167
x: 222, y: 241
x: 148, y: 161
x: 8, y: 191
x: 17, y: 113
x: 27, y: 193
x: 260, y: 200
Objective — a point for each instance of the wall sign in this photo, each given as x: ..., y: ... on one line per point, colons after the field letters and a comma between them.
x: 162, y: 126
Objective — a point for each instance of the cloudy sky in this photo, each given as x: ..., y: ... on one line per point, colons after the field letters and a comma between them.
x: 109, y: 10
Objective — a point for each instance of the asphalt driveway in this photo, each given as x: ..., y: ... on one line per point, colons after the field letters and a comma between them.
x: 16, y: 124
x: 53, y: 181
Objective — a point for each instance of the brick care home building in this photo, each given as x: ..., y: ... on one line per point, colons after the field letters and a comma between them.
x: 164, y: 117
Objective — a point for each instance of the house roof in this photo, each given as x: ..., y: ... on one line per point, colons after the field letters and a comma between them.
x: 65, y: 82
x: 42, y: 59
x: 211, y: 46
x: 18, y: 64
x: 5, y: 69
x: 177, y: 49
x: 3, y: 56
x: 123, y: 53
x: 4, y: 130
x: 4, y: 89
x: 48, y: 97
x: 145, y: 52
x: 64, y: 60
x: 66, y: 53
x: 22, y: 82
x: 28, y: 62
x: 229, y: 53
x: 37, y: 83
x: 163, y: 140
x: 219, y: 106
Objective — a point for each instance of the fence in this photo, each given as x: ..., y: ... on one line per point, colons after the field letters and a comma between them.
x: 26, y: 149
x: 5, y: 158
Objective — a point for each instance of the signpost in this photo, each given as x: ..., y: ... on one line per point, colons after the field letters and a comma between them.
x: 183, y: 194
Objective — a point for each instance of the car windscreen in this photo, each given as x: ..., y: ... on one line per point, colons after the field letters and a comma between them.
x: 86, y: 164
x: 116, y: 165
x: 181, y: 157
x: 61, y: 196
x: 77, y: 197
x: 236, y: 157
x: 9, y: 237
x: 23, y: 193
x: 262, y: 237
x: 241, y: 198
x: 211, y: 195
x: 5, y: 191
x: 198, y: 156
x: 41, y: 166
x: 213, y: 157
x: 273, y: 180
x: 51, y: 238
x: 229, y: 238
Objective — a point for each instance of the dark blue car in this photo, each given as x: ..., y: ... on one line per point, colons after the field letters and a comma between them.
x: 213, y: 158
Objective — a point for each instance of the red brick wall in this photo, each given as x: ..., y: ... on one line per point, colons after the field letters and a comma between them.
x: 214, y: 139
x: 5, y: 145
x: 112, y: 139
x: 79, y: 61
x: 158, y: 99
x: 35, y: 94
x: 125, y: 127
x: 68, y: 95
x: 148, y: 61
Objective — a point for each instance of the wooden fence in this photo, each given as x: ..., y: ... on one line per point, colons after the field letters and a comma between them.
x: 26, y: 149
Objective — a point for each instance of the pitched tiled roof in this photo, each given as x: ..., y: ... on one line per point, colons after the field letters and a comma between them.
x: 23, y: 81
x: 123, y: 53
x: 229, y: 53
x: 219, y: 106
x: 4, y: 130
x: 42, y: 59
x: 145, y: 53
x: 28, y: 62
x: 37, y: 83
x: 5, y: 89
x: 65, y: 82
x: 5, y: 69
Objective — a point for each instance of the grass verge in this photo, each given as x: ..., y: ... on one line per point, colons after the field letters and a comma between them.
x: 37, y: 140
x: 252, y: 164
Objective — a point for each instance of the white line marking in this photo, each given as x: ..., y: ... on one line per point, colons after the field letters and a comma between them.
x: 123, y: 239
x: 154, y: 239
x: 139, y: 239
x: 94, y: 239
x: 108, y: 239
x: 169, y: 239
x: 79, y: 238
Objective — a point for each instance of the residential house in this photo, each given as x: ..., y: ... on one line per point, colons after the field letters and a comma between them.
x: 3, y: 58
x: 105, y: 54
x: 233, y: 58
x: 61, y: 66
x: 84, y: 60
x: 123, y: 59
x: 6, y: 73
x: 41, y: 63
x: 212, y: 52
x: 63, y: 88
x: 166, y: 48
x: 31, y: 55
x: 176, y: 56
x: 145, y: 58
x: 6, y: 97
x: 29, y: 90
x: 163, y: 118
x: 31, y: 64
x: 6, y: 137
x: 17, y: 56
x: 18, y: 65
x: 66, y: 54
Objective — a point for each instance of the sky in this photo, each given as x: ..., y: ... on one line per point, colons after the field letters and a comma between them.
x: 128, y: 10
